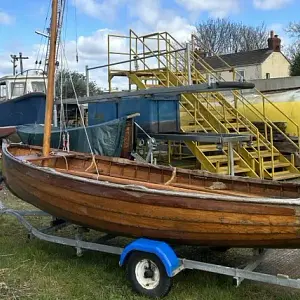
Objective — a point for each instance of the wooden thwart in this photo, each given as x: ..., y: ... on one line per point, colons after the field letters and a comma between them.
x: 41, y: 158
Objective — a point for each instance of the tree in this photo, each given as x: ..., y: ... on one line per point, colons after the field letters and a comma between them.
x: 293, y: 49
x: 294, y: 29
x: 79, y: 81
x: 224, y: 36
x: 295, y: 66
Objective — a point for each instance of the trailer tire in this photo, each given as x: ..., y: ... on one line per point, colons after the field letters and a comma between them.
x: 148, y: 275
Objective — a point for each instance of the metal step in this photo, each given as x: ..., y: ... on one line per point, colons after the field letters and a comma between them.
x: 153, y: 85
x: 211, y: 147
x: 237, y: 170
x: 254, y: 144
x: 189, y: 128
x: 284, y: 175
x: 220, y: 158
x: 277, y: 164
x: 265, y: 153
x: 193, y: 128
x: 221, y: 115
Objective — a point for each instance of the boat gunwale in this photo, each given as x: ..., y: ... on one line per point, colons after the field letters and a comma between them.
x: 199, y: 174
x: 141, y: 188
x: 23, y: 97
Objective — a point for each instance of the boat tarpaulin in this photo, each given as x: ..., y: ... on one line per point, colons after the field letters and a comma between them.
x: 105, y: 139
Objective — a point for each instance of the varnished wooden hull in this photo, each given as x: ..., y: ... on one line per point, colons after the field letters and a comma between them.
x: 6, y: 131
x: 138, y: 211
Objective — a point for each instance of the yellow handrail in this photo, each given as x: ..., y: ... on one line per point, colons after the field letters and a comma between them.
x: 173, y: 61
x: 208, y: 68
x: 264, y: 98
x: 266, y: 121
x: 253, y: 128
x: 195, y: 119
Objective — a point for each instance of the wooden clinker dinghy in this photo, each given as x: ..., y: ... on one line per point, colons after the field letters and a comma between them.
x: 140, y: 200
x: 7, y: 131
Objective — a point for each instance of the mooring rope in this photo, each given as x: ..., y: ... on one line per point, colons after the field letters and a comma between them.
x: 80, y: 113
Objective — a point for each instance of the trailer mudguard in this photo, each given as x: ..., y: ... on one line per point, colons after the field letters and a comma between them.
x: 161, y: 249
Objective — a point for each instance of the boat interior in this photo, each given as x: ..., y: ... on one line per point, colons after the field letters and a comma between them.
x: 127, y: 172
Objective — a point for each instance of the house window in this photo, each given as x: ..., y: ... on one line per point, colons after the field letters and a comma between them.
x: 17, y: 89
x: 240, y: 76
x: 268, y: 75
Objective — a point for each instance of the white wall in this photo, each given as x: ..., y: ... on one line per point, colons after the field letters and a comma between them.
x: 251, y: 72
x: 277, y: 84
x: 277, y: 65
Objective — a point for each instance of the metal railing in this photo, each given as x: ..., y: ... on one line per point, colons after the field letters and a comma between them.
x: 174, y: 66
x: 268, y: 124
x: 265, y: 100
x: 177, y: 68
x: 240, y: 118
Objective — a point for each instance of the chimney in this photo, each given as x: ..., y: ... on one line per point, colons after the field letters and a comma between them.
x: 274, y: 42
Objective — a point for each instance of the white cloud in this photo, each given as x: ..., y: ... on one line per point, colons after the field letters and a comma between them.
x: 270, y: 4
x: 148, y: 11
x: 92, y: 51
x: 176, y: 26
x: 216, y: 8
x: 5, y: 64
x: 151, y: 17
x: 104, y: 10
x: 5, y: 18
x: 146, y: 16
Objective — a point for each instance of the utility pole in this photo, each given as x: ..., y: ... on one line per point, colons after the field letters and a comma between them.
x: 14, y: 60
x: 21, y: 57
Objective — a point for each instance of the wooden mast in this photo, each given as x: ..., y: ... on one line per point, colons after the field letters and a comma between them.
x: 51, y: 80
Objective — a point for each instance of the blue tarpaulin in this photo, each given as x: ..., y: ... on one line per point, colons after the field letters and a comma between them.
x: 106, y: 138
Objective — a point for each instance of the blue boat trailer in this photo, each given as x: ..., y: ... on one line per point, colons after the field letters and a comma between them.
x: 150, y: 264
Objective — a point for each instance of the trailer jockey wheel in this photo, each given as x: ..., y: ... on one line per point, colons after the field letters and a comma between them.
x: 148, y: 275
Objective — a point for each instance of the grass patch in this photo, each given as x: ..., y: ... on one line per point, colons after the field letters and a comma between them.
x: 39, y: 270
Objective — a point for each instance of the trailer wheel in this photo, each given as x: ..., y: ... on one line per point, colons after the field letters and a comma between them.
x: 148, y: 275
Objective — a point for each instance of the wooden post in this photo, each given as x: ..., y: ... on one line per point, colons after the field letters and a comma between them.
x: 51, y: 78
x: 21, y: 57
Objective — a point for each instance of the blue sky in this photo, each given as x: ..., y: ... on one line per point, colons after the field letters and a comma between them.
x: 96, y: 18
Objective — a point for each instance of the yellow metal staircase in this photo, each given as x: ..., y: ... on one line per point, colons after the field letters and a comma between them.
x: 207, y: 112
x: 211, y: 159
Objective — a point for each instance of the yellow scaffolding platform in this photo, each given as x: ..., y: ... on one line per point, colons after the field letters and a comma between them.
x: 158, y: 59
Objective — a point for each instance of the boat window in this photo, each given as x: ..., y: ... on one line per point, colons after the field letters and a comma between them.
x: 17, y: 89
x: 3, y: 92
x: 38, y: 86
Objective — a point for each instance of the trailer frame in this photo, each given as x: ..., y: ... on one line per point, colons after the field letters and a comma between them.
x: 172, y: 264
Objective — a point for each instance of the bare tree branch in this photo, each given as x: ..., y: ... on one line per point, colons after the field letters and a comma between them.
x: 294, y: 30
x: 293, y: 49
x: 224, y: 36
